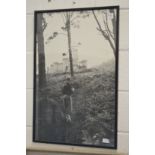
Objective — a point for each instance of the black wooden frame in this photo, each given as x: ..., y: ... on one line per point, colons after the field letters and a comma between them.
x: 116, y: 72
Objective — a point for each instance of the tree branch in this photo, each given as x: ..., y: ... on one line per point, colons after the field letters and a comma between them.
x: 108, y: 30
x: 103, y: 32
x: 107, y: 26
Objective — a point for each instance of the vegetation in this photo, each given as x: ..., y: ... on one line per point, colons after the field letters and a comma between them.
x: 93, y: 116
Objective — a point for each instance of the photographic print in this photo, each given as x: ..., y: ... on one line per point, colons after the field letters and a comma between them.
x: 76, y: 77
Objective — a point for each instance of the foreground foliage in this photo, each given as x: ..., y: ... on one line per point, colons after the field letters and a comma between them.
x: 93, y: 116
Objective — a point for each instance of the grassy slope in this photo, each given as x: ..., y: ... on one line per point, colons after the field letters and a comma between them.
x: 93, y: 109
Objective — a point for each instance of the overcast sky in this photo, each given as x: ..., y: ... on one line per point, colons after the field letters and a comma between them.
x: 94, y: 48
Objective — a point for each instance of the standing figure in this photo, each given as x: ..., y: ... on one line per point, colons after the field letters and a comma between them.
x: 67, y: 92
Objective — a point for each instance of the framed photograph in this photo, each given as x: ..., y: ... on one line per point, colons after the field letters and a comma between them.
x: 76, y: 76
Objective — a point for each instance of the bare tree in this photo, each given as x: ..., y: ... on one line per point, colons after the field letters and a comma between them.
x: 67, y: 27
x: 68, y: 21
x: 41, y: 25
x: 108, y: 34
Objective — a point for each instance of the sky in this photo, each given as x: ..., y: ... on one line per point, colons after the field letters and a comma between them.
x: 94, y: 48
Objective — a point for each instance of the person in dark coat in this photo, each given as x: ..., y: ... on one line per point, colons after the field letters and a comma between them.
x: 67, y: 92
x: 67, y: 89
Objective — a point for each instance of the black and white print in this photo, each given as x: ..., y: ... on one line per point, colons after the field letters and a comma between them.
x: 75, y: 77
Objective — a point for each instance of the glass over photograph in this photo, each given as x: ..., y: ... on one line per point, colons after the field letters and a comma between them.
x: 76, y: 77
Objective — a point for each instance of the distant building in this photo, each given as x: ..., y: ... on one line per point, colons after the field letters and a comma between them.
x: 66, y: 62
x: 57, y: 67
x: 83, y: 65
x: 51, y: 68
x: 64, y: 67
x: 60, y: 68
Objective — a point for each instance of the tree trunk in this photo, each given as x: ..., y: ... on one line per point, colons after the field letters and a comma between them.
x: 69, y: 44
x: 41, y: 53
